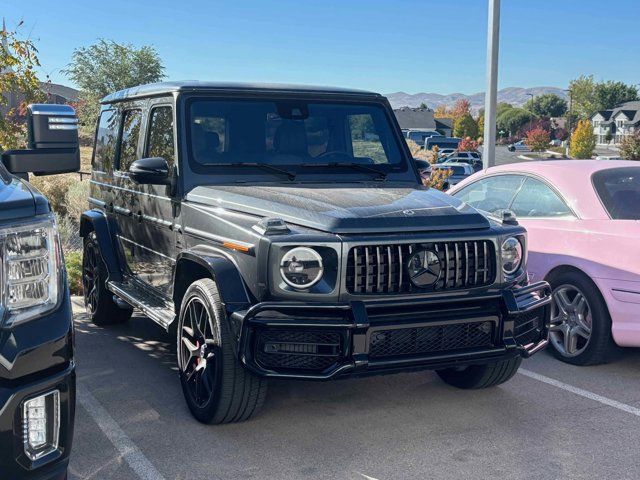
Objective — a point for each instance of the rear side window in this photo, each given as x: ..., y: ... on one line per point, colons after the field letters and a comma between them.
x: 537, y: 200
x: 619, y: 190
x: 130, y: 135
x: 106, y: 139
x: 160, y: 142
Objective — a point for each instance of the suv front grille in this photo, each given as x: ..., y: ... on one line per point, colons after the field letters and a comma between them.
x: 425, y: 340
x: 382, y: 269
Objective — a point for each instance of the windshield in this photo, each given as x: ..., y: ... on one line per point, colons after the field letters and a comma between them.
x: 290, y: 132
x: 619, y: 190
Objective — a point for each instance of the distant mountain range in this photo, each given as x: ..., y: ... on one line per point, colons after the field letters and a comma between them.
x: 516, y: 96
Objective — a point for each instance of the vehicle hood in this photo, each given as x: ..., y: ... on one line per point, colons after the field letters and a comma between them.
x: 19, y: 200
x: 347, y: 208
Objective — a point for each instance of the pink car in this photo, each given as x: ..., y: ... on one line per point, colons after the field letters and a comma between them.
x: 583, y: 223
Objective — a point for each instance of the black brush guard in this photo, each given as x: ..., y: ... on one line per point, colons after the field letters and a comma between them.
x: 323, y: 341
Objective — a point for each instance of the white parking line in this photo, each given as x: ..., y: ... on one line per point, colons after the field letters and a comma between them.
x: 125, y: 446
x: 583, y: 393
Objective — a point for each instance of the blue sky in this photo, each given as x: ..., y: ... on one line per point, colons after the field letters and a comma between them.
x: 387, y: 46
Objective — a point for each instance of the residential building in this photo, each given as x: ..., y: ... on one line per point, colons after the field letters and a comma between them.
x: 423, y: 119
x: 616, y: 123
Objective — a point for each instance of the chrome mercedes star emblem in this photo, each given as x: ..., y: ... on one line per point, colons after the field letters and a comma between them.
x: 408, y: 213
x: 424, y: 268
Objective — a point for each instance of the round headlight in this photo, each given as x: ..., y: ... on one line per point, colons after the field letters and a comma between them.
x: 301, y: 267
x: 511, y: 255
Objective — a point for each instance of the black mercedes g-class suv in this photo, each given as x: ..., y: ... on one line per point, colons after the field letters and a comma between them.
x: 37, y: 370
x: 285, y: 232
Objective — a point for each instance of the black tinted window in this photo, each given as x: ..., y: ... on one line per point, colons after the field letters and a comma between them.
x: 106, y: 138
x: 130, y: 136
x: 293, y: 133
x: 160, y: 143
x: 619, y: 190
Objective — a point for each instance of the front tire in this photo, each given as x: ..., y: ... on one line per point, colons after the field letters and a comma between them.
x: 580, y: 331
x: 216, y: 387
x: 481, y: 376
x: 101, y: 307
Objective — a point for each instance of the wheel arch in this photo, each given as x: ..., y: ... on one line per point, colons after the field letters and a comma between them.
x: 96, y: 221
x: 562, y: 269
x: 193, y: 265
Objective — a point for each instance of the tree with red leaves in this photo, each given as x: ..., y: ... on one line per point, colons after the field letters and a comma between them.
x: 537, y: 139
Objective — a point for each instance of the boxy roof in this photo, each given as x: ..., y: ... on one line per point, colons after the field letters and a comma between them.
x: 157, y: 89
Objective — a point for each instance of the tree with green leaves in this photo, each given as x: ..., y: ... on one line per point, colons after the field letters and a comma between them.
x: 18, y: 80
x: 609, y: 94
x: 583, y: 141
x: 106, y: 67
x: 465, y: 126
x: 424, y: 106
x: 547, y: 105
x: 513, y: 120
x: 480, y: 123
x: 582, y: 93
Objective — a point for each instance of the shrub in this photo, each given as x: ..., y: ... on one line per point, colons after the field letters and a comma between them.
x: 467, y: 144
x: 537, y: 139
x: 69, y: 234
x: 583, y: 141
x: 73, y: 261
x: 630, y: 147
x: 76, y: 199
x: 438, y: 176
x: 55, y: 188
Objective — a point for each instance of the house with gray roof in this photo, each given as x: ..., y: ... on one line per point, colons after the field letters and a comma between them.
x: 422, y: 119
x: 616, y: 123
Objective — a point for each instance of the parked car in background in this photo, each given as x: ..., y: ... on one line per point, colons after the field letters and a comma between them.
x: 443, y: 153
x: 300, y: 245
x: 424, y: 168
x: 442, y: 142
x: 519, y: 147
x: 459, y: 171
x: 476, y: 163
x: 608, y: 157
x: 420, y: 136
x: 37, y: 369
x: 583, y: 221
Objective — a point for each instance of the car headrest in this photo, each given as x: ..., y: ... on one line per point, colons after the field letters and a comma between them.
x: 291, y: 138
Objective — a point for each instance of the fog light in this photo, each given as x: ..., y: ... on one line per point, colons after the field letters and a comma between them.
x: 41, y: 421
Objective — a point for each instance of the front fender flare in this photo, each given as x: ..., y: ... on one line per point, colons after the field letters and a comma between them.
x: 97, y: 221
x: 224, y: 272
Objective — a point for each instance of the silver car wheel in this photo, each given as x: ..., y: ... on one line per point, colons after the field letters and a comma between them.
x: 571, y: 321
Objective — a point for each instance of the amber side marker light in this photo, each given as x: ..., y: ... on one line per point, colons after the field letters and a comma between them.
x: 236, y: 246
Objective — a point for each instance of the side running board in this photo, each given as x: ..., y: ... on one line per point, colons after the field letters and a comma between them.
x: 157, y: 309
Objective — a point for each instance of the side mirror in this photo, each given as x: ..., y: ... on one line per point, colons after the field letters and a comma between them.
x: 150, y: 171
x: 53, y: 142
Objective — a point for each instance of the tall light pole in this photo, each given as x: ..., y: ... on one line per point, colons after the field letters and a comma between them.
x: 491, y: 96
x: 531, y: 120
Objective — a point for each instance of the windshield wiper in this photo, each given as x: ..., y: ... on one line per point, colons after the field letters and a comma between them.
x: 380, y: 175
x: 263, y: 166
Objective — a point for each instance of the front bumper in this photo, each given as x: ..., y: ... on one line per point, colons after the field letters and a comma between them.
x: 323, y: 341
x: 13, y: 461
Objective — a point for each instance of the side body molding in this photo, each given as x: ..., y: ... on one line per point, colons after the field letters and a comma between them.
x: 96, y: 220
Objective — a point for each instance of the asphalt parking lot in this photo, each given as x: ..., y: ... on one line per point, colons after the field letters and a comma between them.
x: 551, y: 421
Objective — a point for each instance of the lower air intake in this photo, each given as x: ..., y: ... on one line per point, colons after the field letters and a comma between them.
x: 297, y: 350
x: 433, y: 339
